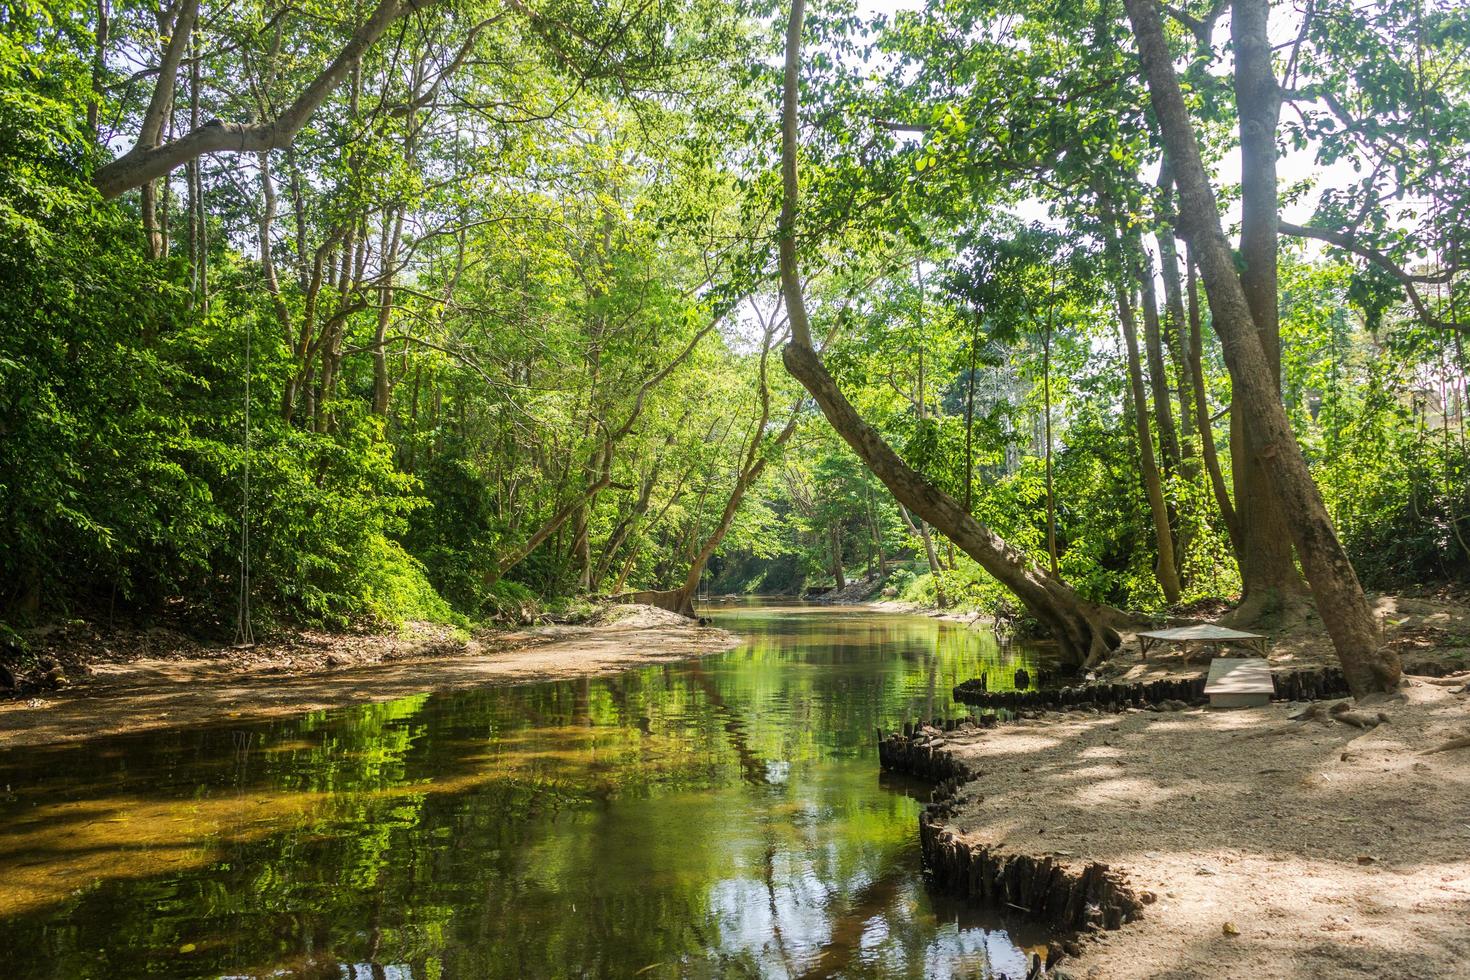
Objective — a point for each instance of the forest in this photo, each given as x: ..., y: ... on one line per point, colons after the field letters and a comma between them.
x: 476, y: 476
x: 444, y: 311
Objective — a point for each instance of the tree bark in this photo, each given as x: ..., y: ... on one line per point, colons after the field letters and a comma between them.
x: 752, y: 465
x: 1051, y: 503
x: 382, y: 384
x: 834, y: 544
x: 1368, y: 665
x: 1271, y: 586
x: 1176, y: 327
x: 921, y: 530
x: 1158, y: 375
x: 99, y: 66
x: 1202, y: 417
x: 1166, y: 572
x: 605, y: 454
x: 148, y: 160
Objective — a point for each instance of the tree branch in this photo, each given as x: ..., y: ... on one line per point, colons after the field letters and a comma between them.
x: 1349, y: 243
x: 146, y: 162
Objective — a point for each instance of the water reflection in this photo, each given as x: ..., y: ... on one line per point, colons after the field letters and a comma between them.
x: 712, y: 818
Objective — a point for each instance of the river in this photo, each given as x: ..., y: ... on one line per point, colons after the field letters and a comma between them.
x: 722, y: 817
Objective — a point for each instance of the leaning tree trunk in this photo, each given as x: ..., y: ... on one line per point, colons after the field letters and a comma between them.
x: 752, y: 465
x: 1368, y: 665
x: 1082, y: 629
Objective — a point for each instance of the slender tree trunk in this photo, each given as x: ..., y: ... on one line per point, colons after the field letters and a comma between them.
x: 177, y: 26
x: 1368, y: 665
x: 99, y: 67
x: 1083, y: 630
x: 752, y: 465
x: 1176, y: 326
x: 605, y: 455
x: 1271, y: 586
x: 198, y: 216
x: 1167, y: 575
x: 382, y: 384
x: 582, y: 546
x: 553, y: 524
x: 625, y: 524
x: 834, y: 544
x: 1158, y: 375
x: 870, y: 510
x: 1051, y: 502
x: 1202, y: 417
x: 970, y: 416
x: 921, y: 529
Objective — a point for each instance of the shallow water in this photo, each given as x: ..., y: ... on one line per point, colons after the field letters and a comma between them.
x: 709, y: 818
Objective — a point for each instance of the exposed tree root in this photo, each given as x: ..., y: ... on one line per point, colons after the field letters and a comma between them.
x: 1463, y: 742
x: 1358, y: 719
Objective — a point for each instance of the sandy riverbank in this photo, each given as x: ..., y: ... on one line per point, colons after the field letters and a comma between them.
x: 312, y: 671
x: 1263, y: 847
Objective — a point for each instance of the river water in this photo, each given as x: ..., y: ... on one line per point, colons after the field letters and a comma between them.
x: 722, y: 817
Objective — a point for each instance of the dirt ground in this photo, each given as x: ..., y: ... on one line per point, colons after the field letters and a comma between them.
x: 164, y: 680
x: 1271, y: 848
x: 1429, y: 628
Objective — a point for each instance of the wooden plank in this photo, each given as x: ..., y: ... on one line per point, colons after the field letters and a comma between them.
x: 1239, y: 682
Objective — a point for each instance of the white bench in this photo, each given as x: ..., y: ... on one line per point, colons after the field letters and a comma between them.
x: 1243, y: 682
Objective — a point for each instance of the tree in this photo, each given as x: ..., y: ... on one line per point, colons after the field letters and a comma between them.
x: 1083, y: 630
x: 1369, y: 665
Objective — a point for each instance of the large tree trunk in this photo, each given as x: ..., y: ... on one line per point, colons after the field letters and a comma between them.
x: 1368, y: 665
x: 1167, y: 573
x: 1272, y: 590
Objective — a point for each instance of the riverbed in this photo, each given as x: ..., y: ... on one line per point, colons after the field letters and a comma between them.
x: 712, y: 817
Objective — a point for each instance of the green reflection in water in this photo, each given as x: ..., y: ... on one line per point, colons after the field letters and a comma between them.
x: 711, y: 818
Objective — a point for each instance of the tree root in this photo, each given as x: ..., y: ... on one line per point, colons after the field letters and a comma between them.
x: 1463, y: 742
x: 1316, y: 711
x: 1358, y: 719
x: 1449, y: 680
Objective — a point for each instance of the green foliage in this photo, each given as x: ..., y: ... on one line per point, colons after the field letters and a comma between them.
x: 518, y: 346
